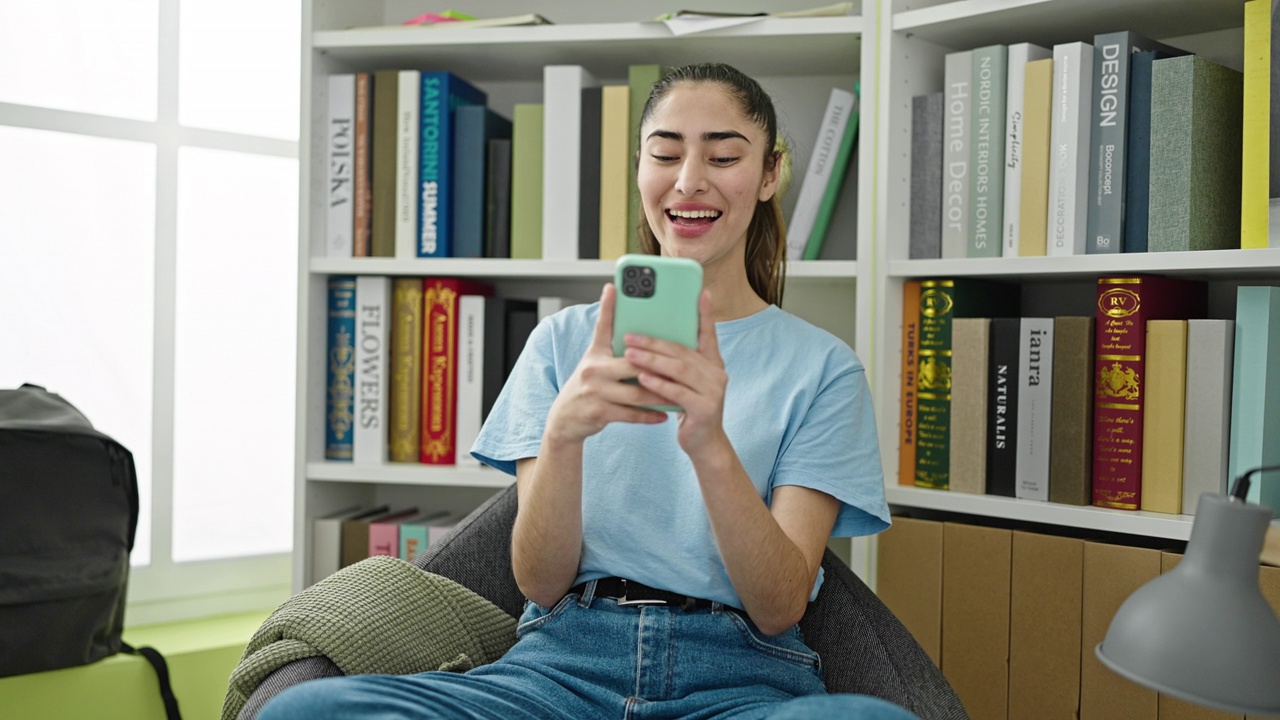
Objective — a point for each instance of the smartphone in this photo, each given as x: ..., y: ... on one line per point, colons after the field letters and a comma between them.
x: 656, y: 296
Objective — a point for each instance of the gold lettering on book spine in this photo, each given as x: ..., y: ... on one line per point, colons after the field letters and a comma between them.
x: 441, y: 304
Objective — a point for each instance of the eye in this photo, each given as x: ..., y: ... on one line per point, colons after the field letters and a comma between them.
x: 663, y: 158
x: 724, y: 160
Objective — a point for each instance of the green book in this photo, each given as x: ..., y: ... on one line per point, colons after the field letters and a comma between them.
x: 641, y: 79
x: 986, y: 151
x: 526, y: 181
x: 941, y: 301
x: 1255, y: 392
x: 1196, y: 124
x: 827, y: 207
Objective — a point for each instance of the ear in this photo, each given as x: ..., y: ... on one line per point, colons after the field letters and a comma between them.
x: 769, y: 185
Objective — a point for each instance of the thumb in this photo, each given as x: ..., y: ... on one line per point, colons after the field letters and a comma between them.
x: 602, y: 339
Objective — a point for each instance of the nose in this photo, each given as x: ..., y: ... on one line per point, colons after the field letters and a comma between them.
x: 693, y: 177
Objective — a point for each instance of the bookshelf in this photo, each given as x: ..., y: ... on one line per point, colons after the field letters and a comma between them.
x: 913, y: 39
x: 797, y: 60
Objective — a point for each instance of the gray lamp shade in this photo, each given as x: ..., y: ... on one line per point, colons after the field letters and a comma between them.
x: 1203, y: 631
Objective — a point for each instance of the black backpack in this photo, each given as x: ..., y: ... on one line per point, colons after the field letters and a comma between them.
x: 68, y: 515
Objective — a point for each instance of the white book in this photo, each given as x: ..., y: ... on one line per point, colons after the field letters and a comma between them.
x: 549, y: 305
x: 562, y: 158
x: 1035, y: 395
x: 470, y: 376
x: 340, y: 133
x: 408, y: 122
x: 373, y: 335
x: 1069, y: 130
x: 1207, y: 424
x: 1019, y: 55
x: 841, y: 104
x: 956, y: 136
x: 326, y: 542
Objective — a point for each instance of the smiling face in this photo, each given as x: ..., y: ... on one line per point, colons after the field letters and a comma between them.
x: 702, y: 173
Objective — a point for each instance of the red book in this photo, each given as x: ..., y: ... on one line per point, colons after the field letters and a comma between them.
x: 1125, y: 304
x: 440, y: 365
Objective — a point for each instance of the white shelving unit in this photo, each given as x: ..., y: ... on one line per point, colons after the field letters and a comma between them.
x: 913, y: 40
x: 798, y: 60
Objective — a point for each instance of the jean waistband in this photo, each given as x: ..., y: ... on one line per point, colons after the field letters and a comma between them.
x: 631, y: 593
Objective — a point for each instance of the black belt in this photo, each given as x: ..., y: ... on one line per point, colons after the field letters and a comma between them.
x: 630, y: 592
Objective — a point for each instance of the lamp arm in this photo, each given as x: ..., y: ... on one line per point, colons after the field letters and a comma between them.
x: 1240, y: 490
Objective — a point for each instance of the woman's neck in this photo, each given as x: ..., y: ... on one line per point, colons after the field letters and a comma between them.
x: 732, y: 296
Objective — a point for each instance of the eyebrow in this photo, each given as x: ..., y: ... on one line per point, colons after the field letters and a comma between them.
x: 706, y: 136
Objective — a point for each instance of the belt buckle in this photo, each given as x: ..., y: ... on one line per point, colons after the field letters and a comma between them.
x: 624, y: 602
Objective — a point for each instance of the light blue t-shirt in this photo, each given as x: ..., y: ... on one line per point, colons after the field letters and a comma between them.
x: 797, y: 410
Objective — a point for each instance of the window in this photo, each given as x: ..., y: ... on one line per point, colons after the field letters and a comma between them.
x: 148, y: 268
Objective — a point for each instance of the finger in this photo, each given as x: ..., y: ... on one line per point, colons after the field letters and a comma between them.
x: 603, y: 336
x: 671, y: 392
x: 708, y: 344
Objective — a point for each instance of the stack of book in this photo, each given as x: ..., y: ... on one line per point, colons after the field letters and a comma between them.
x: 352, y: 534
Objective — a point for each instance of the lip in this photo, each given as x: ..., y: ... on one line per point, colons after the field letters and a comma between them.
x: 690, y: 231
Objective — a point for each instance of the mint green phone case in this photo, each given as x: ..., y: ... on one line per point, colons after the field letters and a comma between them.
x: 669, y: 313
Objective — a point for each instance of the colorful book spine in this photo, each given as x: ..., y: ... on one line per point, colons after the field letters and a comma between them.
x: 1125, y: 304
x: 925, y: 235
x: 406, y: 370
x: 835, y: 183
x: 1015, y: 140
x: 1195, y: 155
x: 408, y: 133
x: 640, y: 80
x: 1071, y: 427
x: 475, y: 126
x: 986, y: 153
x: 841, y: 107
x: 1137, y: 173
x: 958, y: 76
x: 1035, y: 399
x: 373, y: 335
x: 526, y: 181
x: 441, y: 93
x: 362, y: 182
x: 910, y: 366
x: 1207, y: 432
x: 1069, y: 143
x: 440, y: 297
x: 340, y: 369
x: 1256, y: 154
x: 382, y: 237
x: 1255, y: 393
x: 1002, y: 414
x: 615, y: 169
x: 340, y: 132
x: 562, y: 131
x: 970, y: 345
x: 1163, y: 416
x: 1033, y: 213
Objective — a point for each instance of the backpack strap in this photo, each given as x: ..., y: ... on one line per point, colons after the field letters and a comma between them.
x: 156, y: 660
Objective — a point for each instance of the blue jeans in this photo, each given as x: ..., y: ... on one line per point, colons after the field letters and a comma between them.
x: 588, y: 658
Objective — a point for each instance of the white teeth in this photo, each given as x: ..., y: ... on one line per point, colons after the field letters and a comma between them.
x: 694, y: 214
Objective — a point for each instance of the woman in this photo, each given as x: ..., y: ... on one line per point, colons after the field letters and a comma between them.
x: 668, y: 560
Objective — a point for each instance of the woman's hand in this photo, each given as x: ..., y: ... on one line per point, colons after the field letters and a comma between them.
x: 595, y: 395
x: 693, y: 379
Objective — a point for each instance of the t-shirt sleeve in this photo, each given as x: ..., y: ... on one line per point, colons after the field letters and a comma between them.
x: 836, y: 450
x: 513, y: 430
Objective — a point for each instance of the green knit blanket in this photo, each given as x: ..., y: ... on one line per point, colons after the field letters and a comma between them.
x: 378, y: 616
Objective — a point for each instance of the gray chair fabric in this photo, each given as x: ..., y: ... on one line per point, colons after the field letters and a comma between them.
x: 864, y: 648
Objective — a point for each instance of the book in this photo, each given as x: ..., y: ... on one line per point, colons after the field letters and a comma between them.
x: 1015, y: 138
x: 589, y: 174
x: 362, y: 167
x: 497, y: 336
x: 444, y: 21
x: 442, y: 93
x: 1137, y: 175
x: 986, y: 151
x: 1033, y: 211
x: 475, y: 126
x: 526, y: 181
x: 1069, y: 133
x: 1255, y: 390
x: 910, y: 366
x: 562, y: 132
x: 835, y: 183
x: 1002, y: 407
x: 549, y: 305
x: 926, y: 177
x: 497, y: 202
x: 522, y: 318
x: 1163, y: 416
x: 384, y: 534
x: 615, y: 169
x: 940, y: 302
x: 415, y: 534
x: 340, y: 366
x: 1112, y: 53
x: 1125, y: 305
x: 958, y: 75
x: 405, y: 380
x: 372, y: 369
x: 326, y: 540
x: 1258, y: 156
x: 1071, y: 424
x: 970, y: 338
x: 471, y: 353
x: 440, y: 298
x: 408, y: 136
x: 841, y: 106
x: 382, y: 225
x: 1207, y: 430
x: 640, y: 81
x: 1195, y: 155
x: 339, y: 190
x: 355, y: 533
x: 1035, y: 407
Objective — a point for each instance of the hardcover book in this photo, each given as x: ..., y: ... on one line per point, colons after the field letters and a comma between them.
x: 562, y: 133
x: 955, y: 154
x: 1002, y: 413
x: 1071, y: 429
x: 339, y: 198
x: 1109, y: 146
x: 384, y: 534
x: 970, y: 338
x: 1137, y: 174
x: 1069, y: 143
x: 1125, y: 304
x: 1162, y: 416
x: 1255, y: 394
x: 498, y: 333
x: 476, y: 126
x: 1033, y: 212
x: 640, y: 80
x: 326, y: 540
x: 362, y: 167
x: 835, y: 183
x: 986, y: 152
x: 497, y: 208
x: 340, y: 367
x: 373, y: 335
x: 1015, y: 139
x: 1207, y: 430
x: 910, y: 365
x: 1260, y: 176
x: 841, y: 108
x: 1035, y: 412
x: 406, y: 370
x: 440, y: 333
x: 940, y: 302
x: 589, y: 174
x: 926, y: 177
x: 1195, y: 155
x: 615, y: 170
x: 526, y: 181
x: 442, y: 93
x: 408, y: 191
x: 386, y: 91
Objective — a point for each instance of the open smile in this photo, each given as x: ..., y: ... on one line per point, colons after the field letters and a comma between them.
x: 693, y: 218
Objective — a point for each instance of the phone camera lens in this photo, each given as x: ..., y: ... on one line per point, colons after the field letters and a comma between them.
x: 630, y: 273
x: 630, y: 289
x: 646, y: 282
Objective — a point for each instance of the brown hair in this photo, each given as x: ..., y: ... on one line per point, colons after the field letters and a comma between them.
x: 766, y: 252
